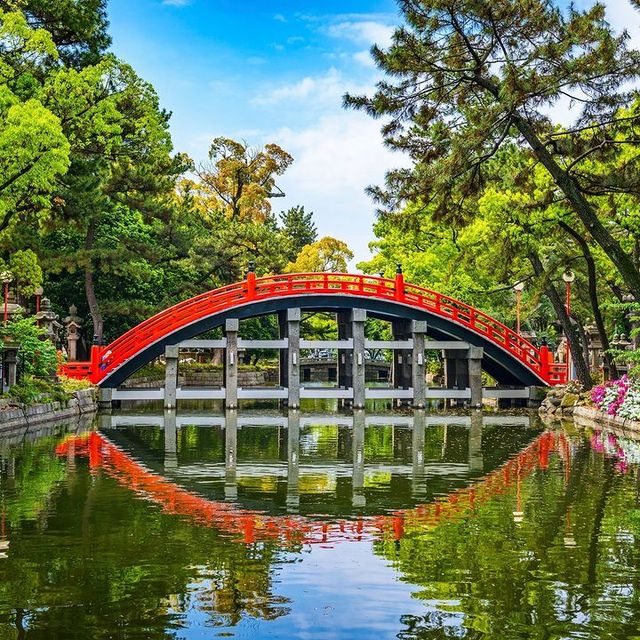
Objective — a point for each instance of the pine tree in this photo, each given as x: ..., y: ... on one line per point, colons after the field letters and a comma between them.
x: 299, y: 227
x: 468, y: 76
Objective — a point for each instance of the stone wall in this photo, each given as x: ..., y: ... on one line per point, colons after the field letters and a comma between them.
x: 592, y: 417
x: 209, y: 378
x: 80, y: 402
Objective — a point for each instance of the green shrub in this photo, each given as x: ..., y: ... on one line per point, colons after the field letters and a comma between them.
x: 37, y: 353
x: 31, y: 390
x: 69, y: 385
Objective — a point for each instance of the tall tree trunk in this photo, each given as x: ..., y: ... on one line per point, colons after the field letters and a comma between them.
x: 582, y: 368
x: 593, y: 296
x: 89, y: 286
x: 588, y: 216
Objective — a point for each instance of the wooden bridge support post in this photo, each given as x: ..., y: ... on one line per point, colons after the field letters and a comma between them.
x: 170, y: 440
x: 418, y: 478
x: 402, y: 358
x: 171, y: 356
x: 283, y: 354
x: 293, y: 461
x: 419, y: 369
x: 231, y: 327
x: 358, y: 317
x: 476, y: 461
x: 105, y: 399
x: 456, y: 372
x: 345, y: 356
x: 231, y: 455
x: 474, y: 356
x: 293, y: 357
x: 358, y: 498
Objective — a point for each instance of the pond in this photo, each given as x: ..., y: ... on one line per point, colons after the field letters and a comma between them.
x: 271, y: 525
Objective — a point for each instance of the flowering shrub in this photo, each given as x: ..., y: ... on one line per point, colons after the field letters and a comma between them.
x: 618, y: 398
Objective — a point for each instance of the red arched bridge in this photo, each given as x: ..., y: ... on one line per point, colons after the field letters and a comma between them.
x: 507, y: 356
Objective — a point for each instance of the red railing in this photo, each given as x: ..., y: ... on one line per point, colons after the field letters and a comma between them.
x: 105, y: 359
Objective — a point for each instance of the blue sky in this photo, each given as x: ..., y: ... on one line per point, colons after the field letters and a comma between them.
x: 266, y: 71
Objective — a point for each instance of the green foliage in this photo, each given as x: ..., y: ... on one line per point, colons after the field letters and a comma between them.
x: 26, y: 271
x: 90, y: 187
x: 36, y: 353
x: 79, y: 29
x: 242, y: 179
x: 299, y: 228
x: 469, y: 87
x: 69, y: 385
x: 31, y: 390
x: 34, y: 152
x: 326, y: 255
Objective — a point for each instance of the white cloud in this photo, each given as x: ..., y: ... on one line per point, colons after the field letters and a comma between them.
x: 364, y: 58
x: 278, y: 17
x: 363, y: 32
x: 623, y: 16
x: 176, y: 3
x: 335, y: 160
x: 326, y: 89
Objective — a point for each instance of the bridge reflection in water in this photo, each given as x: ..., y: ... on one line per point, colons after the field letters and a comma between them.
x: 316, y: 479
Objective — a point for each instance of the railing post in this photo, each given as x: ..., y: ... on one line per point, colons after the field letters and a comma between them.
x: 251, y: 281
x: 96, y: 350
x: 399, y: 283
x: 544, y: 361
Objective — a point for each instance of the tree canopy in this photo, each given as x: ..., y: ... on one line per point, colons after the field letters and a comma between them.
x: 498, y: 191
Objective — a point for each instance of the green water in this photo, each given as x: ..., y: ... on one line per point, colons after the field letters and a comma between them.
x: 319, y: 528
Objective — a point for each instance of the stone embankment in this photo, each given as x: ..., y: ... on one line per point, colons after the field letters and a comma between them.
x: 79, y: 403
x: 561, y: 401
x: 592, y: 417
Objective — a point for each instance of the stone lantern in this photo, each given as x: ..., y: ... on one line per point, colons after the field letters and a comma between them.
x: 596, y: 354
x: 73, y: 325
x: 48, y: 320
x: 9, y: 365
x: 633, y: 316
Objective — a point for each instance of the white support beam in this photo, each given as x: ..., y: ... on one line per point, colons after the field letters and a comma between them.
x: 203, y: 344
x: 507, y: 393
x: 263, y: 344
x: 117, y: 421
x: 276, y: 393
x: 200, y: 394
x: 138, y: 394
x: 326, y: 344
x: 262, y: 421
x: 320, y: 392
x: 388, y: 344
x: 446, y: 344
x: 396, y: 394
x: 449, y: 394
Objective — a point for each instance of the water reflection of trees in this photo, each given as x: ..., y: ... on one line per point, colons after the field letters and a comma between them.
x: 88, y: 559
x: 571, y: 567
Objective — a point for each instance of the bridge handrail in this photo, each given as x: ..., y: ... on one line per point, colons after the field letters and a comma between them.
x: 252, y: 289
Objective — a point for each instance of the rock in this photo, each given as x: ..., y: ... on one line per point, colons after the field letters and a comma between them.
x: 555, y: 401
x: 569, y: 400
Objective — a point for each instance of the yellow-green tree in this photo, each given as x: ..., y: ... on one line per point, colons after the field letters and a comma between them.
x: 327, y: 254
x: 243, y: 178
